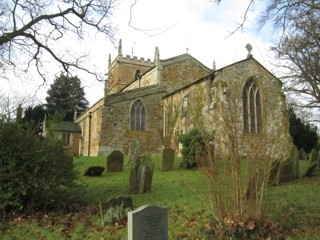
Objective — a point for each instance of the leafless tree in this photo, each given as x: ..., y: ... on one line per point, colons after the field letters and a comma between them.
x: 301, y: 53
x: 32, y: 29
x: 240, y: 25
x: 298, y: 46
x: 9, y: 102
x: 285, y: 14
x: 298, y: 49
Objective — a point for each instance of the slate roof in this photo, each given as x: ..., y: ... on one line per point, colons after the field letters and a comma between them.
x: 66, y: 127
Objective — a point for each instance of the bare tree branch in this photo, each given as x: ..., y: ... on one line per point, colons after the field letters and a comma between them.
x: 29, y: 29
x: 159, y: 30
x: 244, y: 18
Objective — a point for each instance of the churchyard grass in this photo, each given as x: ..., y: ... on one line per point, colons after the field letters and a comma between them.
x: 293, y: 205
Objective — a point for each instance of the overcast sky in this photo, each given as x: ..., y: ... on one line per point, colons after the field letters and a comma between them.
x: 174, y: 26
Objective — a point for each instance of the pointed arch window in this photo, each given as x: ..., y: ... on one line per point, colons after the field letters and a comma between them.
x: 251, y: 107
x: 137, y: 116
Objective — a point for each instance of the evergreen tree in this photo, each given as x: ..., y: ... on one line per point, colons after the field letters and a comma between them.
x: 33, y: 117
x: 303, y: 135
x: 66, y: 96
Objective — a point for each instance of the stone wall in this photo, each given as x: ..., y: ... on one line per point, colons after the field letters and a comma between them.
x: 184, y: 80
x: 180, y: 71
x: 122, y: 70
x: 149, y: 79
x: 116, y: 133
x: 91, y: 123
x: 73, y: 148
x: 173, y: 73
x: 222, y: 110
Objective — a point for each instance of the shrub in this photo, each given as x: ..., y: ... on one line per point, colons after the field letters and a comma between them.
x: 34, y: 174
x: 192, y: 146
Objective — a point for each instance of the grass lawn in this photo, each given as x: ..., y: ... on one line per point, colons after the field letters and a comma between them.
x: 295, y: 206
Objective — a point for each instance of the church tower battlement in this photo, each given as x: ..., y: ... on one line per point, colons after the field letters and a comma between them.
x: 124, y: 70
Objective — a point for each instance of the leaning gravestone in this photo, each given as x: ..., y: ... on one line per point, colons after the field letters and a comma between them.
x: 134, y: 150
x: 274, y: 173
x: 285, y: 174
x: 310, y: 170
x: 167, y: 159
x: 313, y: 163
x: 148, y: 223
x: 318, y: 164
x: 303, y: 154
x: 313, y: 156
x: 115, y: 161
x: 295, y: 158
x: 115, y: 210
x: 141, y: 175
x: 255, y: 184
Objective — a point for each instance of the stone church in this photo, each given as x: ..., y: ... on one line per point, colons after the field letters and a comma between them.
x: 153, y: 101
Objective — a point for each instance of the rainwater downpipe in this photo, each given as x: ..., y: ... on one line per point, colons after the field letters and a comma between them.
x: 89, y: 138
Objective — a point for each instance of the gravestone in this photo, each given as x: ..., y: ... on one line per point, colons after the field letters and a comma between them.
x: 318, y: 164
x: 115, y: 210
x: 255, y: 184
x: 94, y: 171
x: 303, y: 155
x: 148, y: 223
x: 167, y: 159
x: 285, y: 174
x: 141, y: 175
x: 313, y: 163
x: 311, y: 169
x: 313, y: 156
x: 295, y: 158
x: 274, y: 173
x: 134, y: 150
x: 115, y: 161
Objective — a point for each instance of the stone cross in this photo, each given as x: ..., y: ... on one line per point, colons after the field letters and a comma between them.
x: 249, y: 49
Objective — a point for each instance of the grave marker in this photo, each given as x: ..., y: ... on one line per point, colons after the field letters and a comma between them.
x: 141, y: 175
x: 274, y: 173
x: 295, y: 158
x: 148, y: 223
x: 134, y: 150
x: 303, y: 155
x: 115, y: 210
x: 115, y: 161
x: 311, y: 169
x: 318, y: 164
x: 285, y: 174
x: 167, y: 159
x: 313, y: 156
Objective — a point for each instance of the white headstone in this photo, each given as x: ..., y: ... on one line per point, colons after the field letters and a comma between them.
x: 148, y: 223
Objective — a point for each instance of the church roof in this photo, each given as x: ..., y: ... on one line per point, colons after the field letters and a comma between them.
x: 181, y: 57
x: 211, y: 75
x: 169, y: 61
x: 66, y: 127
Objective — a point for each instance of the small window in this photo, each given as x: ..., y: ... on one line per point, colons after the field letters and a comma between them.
x: 137, y: 116
x: 184, y: 105
x: 251, y: 108
x: 137, y: 74
x: 66, y: 138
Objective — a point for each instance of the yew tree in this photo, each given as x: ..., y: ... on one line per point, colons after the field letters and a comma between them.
x: 303, y: 134
x: 66, y: 96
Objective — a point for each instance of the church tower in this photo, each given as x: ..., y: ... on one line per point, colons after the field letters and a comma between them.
x: 124, y: 70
